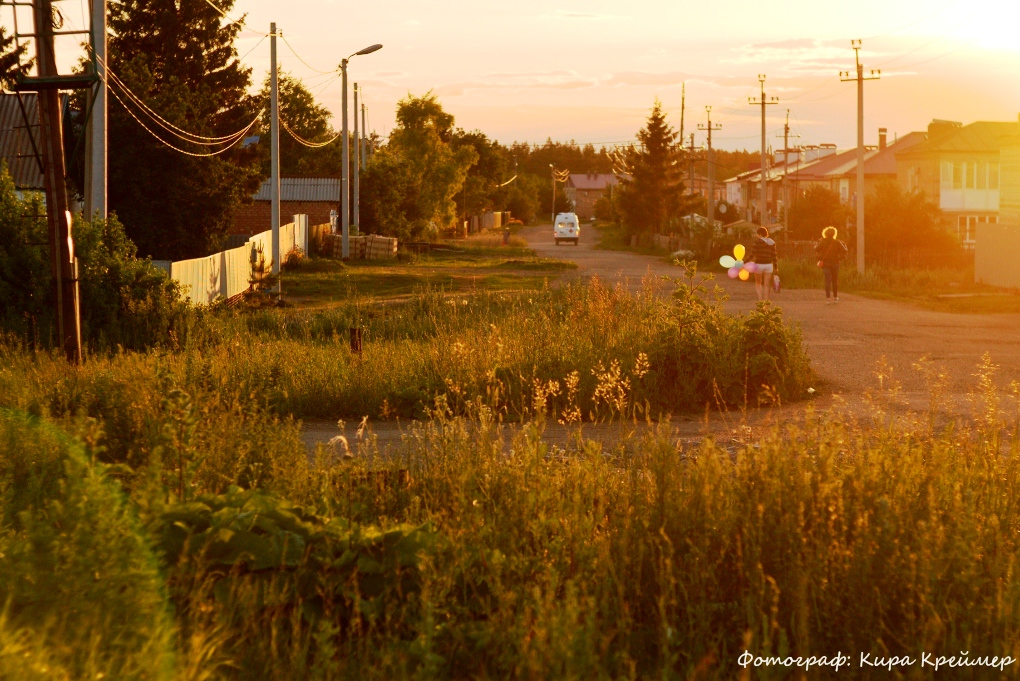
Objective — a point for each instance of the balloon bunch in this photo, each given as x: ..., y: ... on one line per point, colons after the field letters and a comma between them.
x: 736, y: 265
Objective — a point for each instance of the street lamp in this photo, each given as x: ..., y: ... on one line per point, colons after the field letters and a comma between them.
x: 345, y: 187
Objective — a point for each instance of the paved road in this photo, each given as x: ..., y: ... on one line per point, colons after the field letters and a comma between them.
x: 845, y: 341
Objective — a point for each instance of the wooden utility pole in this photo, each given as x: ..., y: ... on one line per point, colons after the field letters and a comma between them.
x: 58, y: 216
x: 845, y: 76
x: 274, y: 157
x: 710, y: 165
x: 690, y: 165
x: 683, y: 107
x: 786, y: 173
x: 763, y: 102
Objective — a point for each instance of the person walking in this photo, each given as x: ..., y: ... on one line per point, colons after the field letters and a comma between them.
x: 830, y: 251
x: 763, y: 255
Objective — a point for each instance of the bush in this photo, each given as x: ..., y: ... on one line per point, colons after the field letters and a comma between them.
x: 124, y: 300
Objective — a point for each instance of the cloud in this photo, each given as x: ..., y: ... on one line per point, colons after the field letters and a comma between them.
x: 798, y: 43
x: 550, y: 80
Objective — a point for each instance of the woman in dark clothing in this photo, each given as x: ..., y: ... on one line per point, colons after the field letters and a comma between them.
x: 830, y: 251
x: 763, y: 255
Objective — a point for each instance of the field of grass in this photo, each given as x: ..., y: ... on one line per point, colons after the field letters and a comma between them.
x: 613, y: 238
x: 939, y: 289
x: 468, y: 556
x: 474, y: 265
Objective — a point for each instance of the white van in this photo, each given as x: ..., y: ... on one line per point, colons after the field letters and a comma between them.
x: 567, y: 228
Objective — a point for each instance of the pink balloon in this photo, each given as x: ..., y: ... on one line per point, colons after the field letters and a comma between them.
x: 750, y: 267
x: 733, y: 272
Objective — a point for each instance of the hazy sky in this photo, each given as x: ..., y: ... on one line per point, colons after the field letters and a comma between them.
x: 590, y: 71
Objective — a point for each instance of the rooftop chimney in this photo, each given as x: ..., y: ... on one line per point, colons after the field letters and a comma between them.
x: 882, y: 132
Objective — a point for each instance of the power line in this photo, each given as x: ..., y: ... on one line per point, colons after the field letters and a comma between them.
x: 301, y: 140
x: 294, y: 52
x: 232, y: 20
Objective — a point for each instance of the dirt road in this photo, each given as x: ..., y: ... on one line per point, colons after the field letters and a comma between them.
x: 845, y: 341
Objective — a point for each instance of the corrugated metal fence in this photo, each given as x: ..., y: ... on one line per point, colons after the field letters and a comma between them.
x: 224, y: 275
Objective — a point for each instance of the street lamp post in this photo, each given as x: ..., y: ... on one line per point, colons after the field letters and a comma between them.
x: 345, y: 187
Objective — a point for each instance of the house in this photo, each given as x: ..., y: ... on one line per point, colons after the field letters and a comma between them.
x: 879, y: 166
x: 794, y: 172
x: 19, y: 140
x: 585, y: 189
x: 312, y: 196
x: 997, y: 242
x: 958, y: 167
x: 698, y: 184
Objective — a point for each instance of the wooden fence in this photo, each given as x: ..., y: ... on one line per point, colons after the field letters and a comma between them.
x: 368, y: 247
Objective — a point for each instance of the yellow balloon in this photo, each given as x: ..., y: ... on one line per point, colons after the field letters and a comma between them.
x: 743, y: 275
x: 738, y: 251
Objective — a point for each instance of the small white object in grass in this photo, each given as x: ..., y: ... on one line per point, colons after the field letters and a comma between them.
x: 339, y: 442
x: 810, y: 391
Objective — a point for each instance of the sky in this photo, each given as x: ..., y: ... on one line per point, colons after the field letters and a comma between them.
x: 528, y: 70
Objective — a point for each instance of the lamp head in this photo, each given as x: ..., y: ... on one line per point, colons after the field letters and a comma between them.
x: 368, y: 50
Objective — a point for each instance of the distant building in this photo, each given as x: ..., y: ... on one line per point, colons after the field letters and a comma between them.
x: 585, y: 189
x: 958, y: 168
x: 19, y: 140
x: 312, y: 196
x: 879, y: 166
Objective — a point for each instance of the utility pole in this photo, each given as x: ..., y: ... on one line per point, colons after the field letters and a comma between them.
x: 363, y: 143
x: 357, y: 167
x: 786, y: 173
x: 690, y: 165
x: 710, y: 165
x: 96, y: 142
x: 763, y: 102
x: 345, y: 161
x: 274, y: 154
x: 860, y: 78
x: 683, y: 107
x: 58, y: 217
x: 552, y: 172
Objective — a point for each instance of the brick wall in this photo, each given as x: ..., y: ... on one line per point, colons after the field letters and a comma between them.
x: 257, y: 217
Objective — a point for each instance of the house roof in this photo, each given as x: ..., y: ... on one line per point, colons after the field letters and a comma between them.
x: 16, y: 139
x: 879, y: 161
x: 591, y: 180
x: 318, y: 189
x: 979, y: 136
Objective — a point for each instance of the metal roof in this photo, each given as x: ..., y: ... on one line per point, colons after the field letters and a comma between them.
x: 982, y: 136
x: 322, y: 189
x: 881, y: 161
x: 16, y: 138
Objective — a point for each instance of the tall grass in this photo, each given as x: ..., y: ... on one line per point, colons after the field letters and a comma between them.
x: 886, y: 534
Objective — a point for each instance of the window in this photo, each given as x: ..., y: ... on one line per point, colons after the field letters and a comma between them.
x: 982, y: 175
x: 958, y: 170
x: 970, y: 175
x: 993, y: 175
x: 946, y: 179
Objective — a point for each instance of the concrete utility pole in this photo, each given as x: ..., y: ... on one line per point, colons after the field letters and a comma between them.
x: 274, y: 154
x: 345, y: 154
x: 357, y: 166
x: 58, y: 217
x: 860, y: 78
x: 711, y: 164
x: 763, y: 102
x: 690, y: 165
x: 345, y: 169
x: 96, y: 142
x: 363, y: 142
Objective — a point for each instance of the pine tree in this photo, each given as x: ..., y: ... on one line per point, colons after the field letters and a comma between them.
x: 653, y: 194
x: 14, y: 61
x: 179, y: 57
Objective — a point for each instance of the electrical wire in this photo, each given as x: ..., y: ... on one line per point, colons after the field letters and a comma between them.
x: 310, y: 145
x: 178, y: 149
x: 109, y: 77
x: 235, y: 21
x: 294, y: 52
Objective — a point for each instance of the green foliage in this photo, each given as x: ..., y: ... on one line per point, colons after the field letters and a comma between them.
x: 77, y: 570
x: 409, y: 187
x: 124, y: 301
x: 14, y: 61
x: 182, y: 61
x: 652, y: 197
x: 817, y: 208
x: 898, y: 223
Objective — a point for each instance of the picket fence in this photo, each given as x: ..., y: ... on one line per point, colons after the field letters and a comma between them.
x: 225, y: 275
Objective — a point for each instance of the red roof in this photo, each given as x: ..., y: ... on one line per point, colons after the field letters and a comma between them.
x: 597, y: 181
